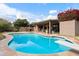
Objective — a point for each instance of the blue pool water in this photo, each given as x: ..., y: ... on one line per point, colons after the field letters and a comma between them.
x: 36, y: 44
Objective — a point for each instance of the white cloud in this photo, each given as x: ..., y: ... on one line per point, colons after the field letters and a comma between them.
x: 5, y: 10
x: 51, y: 17
x: 47, y: 18
x: 37, y: 20
x: 9, y: 12
x: 52, y: 11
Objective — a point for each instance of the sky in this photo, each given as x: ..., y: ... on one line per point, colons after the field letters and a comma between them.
x: 34, y: 12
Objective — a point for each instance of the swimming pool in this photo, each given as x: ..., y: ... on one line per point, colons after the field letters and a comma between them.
x: 32, y: 43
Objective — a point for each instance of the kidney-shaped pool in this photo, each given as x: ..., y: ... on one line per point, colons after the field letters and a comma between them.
x: 36, y: 44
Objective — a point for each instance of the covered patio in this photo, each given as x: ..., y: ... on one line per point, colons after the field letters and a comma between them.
x: 49, y: 26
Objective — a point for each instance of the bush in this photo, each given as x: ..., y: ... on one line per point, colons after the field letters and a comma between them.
x: 69, y: 15
x: 5, y: 25
x: 1, y: 36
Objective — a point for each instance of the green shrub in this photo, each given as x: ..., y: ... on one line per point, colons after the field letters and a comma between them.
x: 5, y: 25
x: 1, y: 36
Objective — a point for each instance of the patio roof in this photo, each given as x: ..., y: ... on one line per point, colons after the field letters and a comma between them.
x: 54, y: 21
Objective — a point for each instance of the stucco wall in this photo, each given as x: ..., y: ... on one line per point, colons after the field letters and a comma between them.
x: 67, y: 28
x: 77, y: 27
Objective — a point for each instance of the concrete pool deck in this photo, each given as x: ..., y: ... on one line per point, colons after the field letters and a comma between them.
x: 6, y: 51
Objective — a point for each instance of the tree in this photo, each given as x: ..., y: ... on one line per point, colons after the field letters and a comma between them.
x: 21, y: 23
x: 5, y: 25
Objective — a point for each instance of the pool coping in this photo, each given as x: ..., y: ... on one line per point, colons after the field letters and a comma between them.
x: 8, y: 52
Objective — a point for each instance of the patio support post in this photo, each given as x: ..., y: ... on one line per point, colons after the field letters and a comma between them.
x: 43, y: 29
x: 36, y: 28
x: 50, y: 27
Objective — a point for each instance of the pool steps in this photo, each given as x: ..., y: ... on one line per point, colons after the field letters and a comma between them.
x: 72, y: 45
